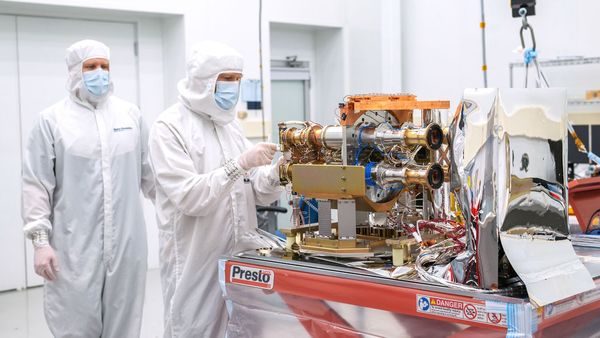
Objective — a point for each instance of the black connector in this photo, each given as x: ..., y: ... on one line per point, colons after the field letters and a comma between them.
x: 516, y: 5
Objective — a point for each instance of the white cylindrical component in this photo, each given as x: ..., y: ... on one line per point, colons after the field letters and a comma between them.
x: 332, y: 137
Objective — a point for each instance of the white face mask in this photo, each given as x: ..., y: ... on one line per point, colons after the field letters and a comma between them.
x: 97, y: 81
x: 227, y: 94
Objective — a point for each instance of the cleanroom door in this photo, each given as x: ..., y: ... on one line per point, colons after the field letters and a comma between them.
x: 43, y: 74
x: 12, y: 251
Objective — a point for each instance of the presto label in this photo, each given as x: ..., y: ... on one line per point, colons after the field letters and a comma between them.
x: 258, y: 278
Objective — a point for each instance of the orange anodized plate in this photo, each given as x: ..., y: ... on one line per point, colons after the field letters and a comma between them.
x: 401, y: 106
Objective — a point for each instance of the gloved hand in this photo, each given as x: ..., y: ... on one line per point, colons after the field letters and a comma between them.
x: 259, y: 155
x: 45, y: 262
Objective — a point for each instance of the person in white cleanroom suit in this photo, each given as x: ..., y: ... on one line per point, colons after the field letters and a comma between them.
x: 83, y: 169
x: 209, y: 179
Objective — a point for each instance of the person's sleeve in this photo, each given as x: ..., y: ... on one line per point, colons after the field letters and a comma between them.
x: 147, y: 181
x: 38, y: 179
x: 265, y: 184
x: 192, y: 193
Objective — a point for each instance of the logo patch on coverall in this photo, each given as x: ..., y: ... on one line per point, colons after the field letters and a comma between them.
x: 258, y: 278
x: 122, y: 129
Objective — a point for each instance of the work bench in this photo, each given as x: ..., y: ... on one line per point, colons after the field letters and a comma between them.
x: 275, y: 297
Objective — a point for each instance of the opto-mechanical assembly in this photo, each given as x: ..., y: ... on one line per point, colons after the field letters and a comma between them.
x: 380, y: 168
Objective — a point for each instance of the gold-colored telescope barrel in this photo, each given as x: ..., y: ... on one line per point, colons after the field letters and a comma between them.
x: 430, y: 176
x: 285, y: 173
x: 309, y: 135
x: 315, y: 136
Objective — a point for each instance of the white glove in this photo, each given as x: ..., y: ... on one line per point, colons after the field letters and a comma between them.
x: 45, y: 262
x: 259, y: 155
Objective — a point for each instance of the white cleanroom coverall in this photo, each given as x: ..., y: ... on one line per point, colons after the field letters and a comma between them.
x: 202, y: 212
x: 83, y: 169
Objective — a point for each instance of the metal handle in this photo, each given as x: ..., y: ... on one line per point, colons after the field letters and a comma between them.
x: 523, y: 27
x: 271, y: 208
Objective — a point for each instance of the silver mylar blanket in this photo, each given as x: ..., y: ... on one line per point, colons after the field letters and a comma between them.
x: 509, y: 153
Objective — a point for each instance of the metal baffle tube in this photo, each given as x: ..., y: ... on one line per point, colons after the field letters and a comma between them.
x: 430, y: 137
x: 431, y: 176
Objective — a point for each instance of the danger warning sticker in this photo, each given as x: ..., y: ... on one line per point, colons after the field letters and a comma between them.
x: 457, y: 309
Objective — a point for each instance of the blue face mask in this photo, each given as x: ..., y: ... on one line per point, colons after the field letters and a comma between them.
x: 227, y: 94
x: 97, y: 81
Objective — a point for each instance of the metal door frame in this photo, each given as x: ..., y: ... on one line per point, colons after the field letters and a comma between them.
x: 281, y: 70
